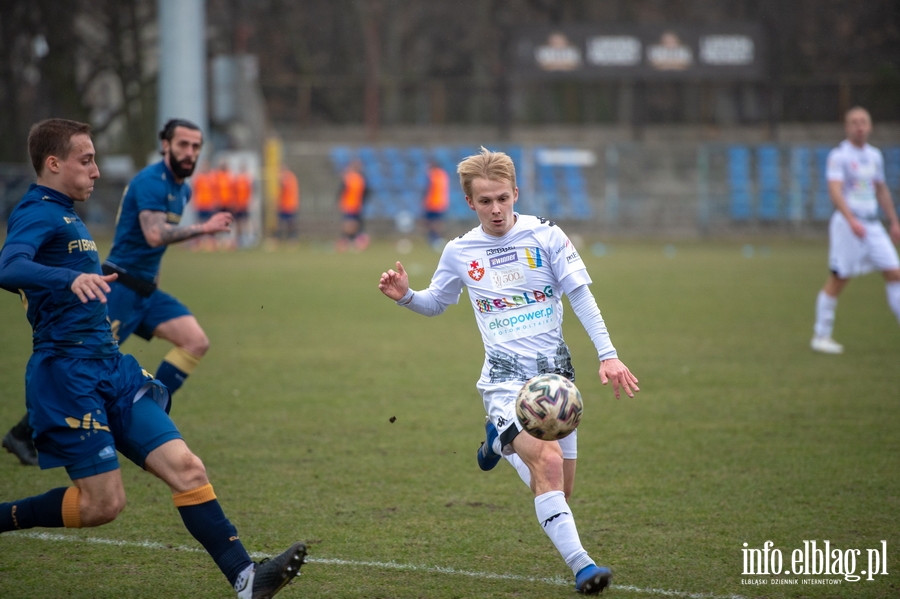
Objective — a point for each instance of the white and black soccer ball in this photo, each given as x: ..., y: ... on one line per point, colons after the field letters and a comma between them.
x: 549, y: 407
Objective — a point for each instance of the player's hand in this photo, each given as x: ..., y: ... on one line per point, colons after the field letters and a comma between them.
x: 394, y: 284
x: 613, y: 370
x: 220, y: 222
x: 858, y: 228
x: 90, y: 286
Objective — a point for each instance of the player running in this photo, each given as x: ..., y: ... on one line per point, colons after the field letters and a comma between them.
x: 86, y: 400
x: 858, y: 242
x: 147, y: 223
x: 517, y: 268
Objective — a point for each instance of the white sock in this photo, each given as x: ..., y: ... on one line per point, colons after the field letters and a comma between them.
x: 893, y: 297
x: 825, y: 309
x: 521, y: 468
x: 496, y: 446
x: 555, y: 517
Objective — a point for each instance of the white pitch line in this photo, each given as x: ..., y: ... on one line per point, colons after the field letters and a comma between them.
x: 556, y: 581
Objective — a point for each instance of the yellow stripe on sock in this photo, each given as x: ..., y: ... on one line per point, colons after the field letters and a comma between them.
x: 182, y: 359
x: 71, y: 508
x: 194, y: 496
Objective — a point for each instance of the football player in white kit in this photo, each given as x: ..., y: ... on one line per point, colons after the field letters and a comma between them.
x: 517, y: 268
x: 858, y: 242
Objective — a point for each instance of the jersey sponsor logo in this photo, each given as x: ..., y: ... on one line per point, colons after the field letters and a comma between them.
x: 476, y: 270
x: 563, y: 246
x: 504, y: 303
x: 520, y: 324
x: 70, y: 219
x: 86, y: 422
x: 509, y: 276
x: 82, y: 245
x: 534, y: 257
x: 495, y: 251
x: 572, y: 257
x: 503, y: 259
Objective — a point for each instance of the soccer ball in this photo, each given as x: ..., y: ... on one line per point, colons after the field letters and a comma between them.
x: 549, y: 407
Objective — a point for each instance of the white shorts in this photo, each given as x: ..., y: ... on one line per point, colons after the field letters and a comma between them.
x: 851, y: 256
x: 500, y: 404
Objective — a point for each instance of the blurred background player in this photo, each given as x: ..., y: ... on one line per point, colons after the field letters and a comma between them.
x: 204, y: 200
x: 288, y: 204
x: 224, y: 190
x: 435, y: 204
x: 148, y: 223
x: 243, y: 192
x: 857, y: 241
x: 351, y: 200
x: 510, y: 256
x: 86, y: 400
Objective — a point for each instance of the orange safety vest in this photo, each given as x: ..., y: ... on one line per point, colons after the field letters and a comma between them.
x: 351, y: 200
x: 243, y: 189
x: 224, y: 187
x: 203, y: 197
x: 289, y: 197
x: 437, y: 199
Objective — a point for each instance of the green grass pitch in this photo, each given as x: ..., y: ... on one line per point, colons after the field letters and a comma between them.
x: 740, y: 434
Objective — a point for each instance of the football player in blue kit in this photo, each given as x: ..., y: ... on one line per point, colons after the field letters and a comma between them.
x: 148, y: 221
x: 85, y: 399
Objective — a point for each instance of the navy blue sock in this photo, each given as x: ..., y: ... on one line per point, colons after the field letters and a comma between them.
x: 170, y: 376
x: 209, y: 525
x: 41, y: 510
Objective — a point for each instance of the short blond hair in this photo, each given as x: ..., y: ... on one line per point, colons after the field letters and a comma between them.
x: 495, y: 166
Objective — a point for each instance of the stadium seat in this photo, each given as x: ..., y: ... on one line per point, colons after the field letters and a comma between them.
x: 892, y: 172
x: 739, y: 182
x: 769, y: 180
x: 822, y: 206
x: 801, y: 183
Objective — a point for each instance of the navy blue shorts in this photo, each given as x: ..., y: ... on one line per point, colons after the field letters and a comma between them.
x: 82, y: 411
x: 129, y: 312
x: 205, y: 215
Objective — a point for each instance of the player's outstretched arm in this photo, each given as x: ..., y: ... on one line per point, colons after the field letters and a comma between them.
x: 394, y: 284
x: 89, y: 286
x: 614, y: 370
x: 157, y: 231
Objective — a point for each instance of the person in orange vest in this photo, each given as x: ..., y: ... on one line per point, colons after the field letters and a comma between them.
x: 288, y: 204
x: 204, y: 200
x: 224, y: 190
x: 435, y: 204
x: 351, y: 199
x: 242, y: 193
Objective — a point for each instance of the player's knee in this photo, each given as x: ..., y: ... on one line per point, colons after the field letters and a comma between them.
x: 102, y: 510
x: 191, y: 471
x: 198, y: 344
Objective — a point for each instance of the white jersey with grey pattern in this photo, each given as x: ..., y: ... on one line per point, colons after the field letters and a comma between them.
x: 516, y: 283
x: 858, y: 169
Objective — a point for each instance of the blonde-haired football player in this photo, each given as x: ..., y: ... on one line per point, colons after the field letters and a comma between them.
x: 517, y: 268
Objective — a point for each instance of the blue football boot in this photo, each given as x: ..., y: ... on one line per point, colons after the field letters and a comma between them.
x: 591, y: 580
x: 487, y: 458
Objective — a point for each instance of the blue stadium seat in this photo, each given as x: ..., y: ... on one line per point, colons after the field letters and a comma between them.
x: 769, y: 178
x: 739, y: 182
x: 801, y: 183
x: 340, y: 157
x: 576, y: 190
x: 892, y: 171
x: 822, y: 206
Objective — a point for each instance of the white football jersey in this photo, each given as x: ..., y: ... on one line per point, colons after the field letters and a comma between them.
x: 858, y: 169
x: 516, y: 283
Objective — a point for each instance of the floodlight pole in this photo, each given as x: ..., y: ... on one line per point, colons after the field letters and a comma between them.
x: 182, y: 62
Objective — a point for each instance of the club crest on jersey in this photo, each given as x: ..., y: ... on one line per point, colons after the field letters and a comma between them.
x: 476, y: 270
